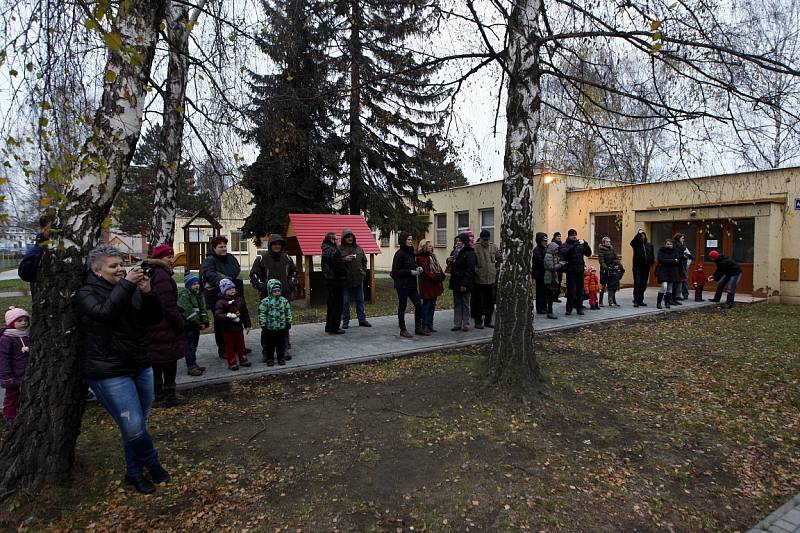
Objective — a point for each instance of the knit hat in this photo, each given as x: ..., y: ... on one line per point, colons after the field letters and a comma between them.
x: 485, y: 234
x: 225, y: 284
x: 713, y: 255
x: 190, y: 280
x: 162, y: 250
x: 13, y: 314
x: 463, y: 237
x: 572, y: 232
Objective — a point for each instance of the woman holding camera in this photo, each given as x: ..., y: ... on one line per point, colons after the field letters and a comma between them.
x: 404, y: 273
x: 115, y: 307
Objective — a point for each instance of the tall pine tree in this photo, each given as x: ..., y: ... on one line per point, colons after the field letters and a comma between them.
x: 300, y: 149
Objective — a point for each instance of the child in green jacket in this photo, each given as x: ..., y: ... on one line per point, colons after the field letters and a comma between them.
x: 275, y: 317
x: 195, y: 317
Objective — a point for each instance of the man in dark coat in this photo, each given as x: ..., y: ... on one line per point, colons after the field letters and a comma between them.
x: 728, y: 273
x: 405, y: 272
x: 334, y: 272
x: 355, y: 263
x: 573, y: 251
x: 274, y: 263
x: 538, y: 273
x: 462, y: 278
x: 643, y: 259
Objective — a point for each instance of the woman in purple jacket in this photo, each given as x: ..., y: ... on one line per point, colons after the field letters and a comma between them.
x: 14, y: 345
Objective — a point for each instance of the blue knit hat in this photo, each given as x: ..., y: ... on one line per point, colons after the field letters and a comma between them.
x: 189, y: 280
x: 225, y: 284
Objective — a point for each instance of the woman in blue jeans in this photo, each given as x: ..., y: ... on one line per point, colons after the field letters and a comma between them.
x: 114, y: 310
x: 430, y: 283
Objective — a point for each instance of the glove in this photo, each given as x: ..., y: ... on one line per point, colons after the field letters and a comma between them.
x: 415, y: 272
x: 231, y: 315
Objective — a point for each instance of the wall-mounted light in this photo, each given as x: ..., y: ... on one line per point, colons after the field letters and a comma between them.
x: 548, y: 179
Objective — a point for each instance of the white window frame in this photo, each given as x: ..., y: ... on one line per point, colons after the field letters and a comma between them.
x: 440, y: 240
x: 462, y: 229
x: 242, y: 241
x: 592, y: 228
x: 490, y: 228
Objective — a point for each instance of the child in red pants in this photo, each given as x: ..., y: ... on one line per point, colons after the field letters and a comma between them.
x: 698, y: 280
x: 14, y: 348
x: 231, y: 312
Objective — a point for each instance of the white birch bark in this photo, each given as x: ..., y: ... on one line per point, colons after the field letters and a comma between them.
x: 513, y: 359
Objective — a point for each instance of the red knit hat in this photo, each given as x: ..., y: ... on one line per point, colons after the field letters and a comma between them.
x: 713, y: 255
x: 162, y: 250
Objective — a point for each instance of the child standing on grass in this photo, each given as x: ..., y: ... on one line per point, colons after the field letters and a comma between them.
x: 613, y: 276
x: 698, y: 281
x: 195, y: 317
x: 231, y: 313
x: 591, y: 286
x: 14, y: 348
x: 275, y: 317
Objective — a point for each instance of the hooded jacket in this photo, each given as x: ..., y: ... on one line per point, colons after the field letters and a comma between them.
x: 487, y: 257
x: 112, y: 324
x: 357, y: 268
x: 193, y: 309
x: 591, y: 285
x: 643, y: 252
x: 462, y: 270
x: 271, y: 265
x: 274, y: 313
x: 699, y: 276
x: 165, y: 341
x: 614, y: 276
x: 403, y: 264
x: 552, y: 263
x: 227, y: 305
x: 573, y: 252
x: 669, y: 265
x: 537, y: 269
x: 332, y: 264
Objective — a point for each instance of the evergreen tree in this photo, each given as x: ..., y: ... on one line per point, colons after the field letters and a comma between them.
x: 300, y: 149
x: 133, y: 207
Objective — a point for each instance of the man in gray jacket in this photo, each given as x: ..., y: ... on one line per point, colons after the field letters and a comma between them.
x: 485, y: 278
x: 355, y: 263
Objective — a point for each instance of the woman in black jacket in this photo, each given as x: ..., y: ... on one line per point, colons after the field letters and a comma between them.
x: 114, y: 310
x: 462, y: 277
x: 335, y: 273
x: 668, y: 271
x: 404, y: 273
x: 607, y: 257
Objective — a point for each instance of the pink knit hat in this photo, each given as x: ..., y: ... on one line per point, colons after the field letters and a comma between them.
x: 162, y: 250
x: 13, y: 314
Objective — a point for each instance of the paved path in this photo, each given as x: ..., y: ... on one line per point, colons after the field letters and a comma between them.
x: 9, y: 274
x: 786, y: 519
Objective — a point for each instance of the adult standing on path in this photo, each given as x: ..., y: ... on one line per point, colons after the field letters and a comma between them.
x: 557, y: 239
x: 274, y: 263
x: 166, y: 341
x: 643, y: 259
x: 573, y: 252
x: 114, y: 309
x: 430, y: 283
x: 552, y: 269
x: 685, y: 259
x: 607, y: 257
x: 334, y: 272
x: 487, y: 256
x: 355, y: 263
x: 405, y: 272
x: 537, y: 272
x: 667, y: 272
x: 219, y: 265
x: 462, y: 279
x: 728, y: 273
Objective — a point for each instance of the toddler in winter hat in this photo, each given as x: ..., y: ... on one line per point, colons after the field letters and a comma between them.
x: 15, y: 313
x: 225, y: 285
x: 190, y: 280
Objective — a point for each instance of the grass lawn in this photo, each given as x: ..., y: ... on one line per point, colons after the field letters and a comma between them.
x: 686, y: 421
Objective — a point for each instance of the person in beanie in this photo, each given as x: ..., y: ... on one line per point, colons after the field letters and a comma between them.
x: 405, y: 272
x: 488, y: 257
x: 14, y: 348
x: 231, y: 314
x: 430, y: 283
x: 537, y: 272
x: 355, y: 263
x: 275, y: 317
x: 195, y: 317
x: 166, y: 341
x: 573, y: 251
x: 728, y: 273
x: 668, y: 272
x: 462, y: 278
x: 698, y: 281
x: 334, y: 272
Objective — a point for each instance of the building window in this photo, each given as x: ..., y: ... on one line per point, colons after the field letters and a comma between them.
x: 743, y: 233
x: 607, y: 225
x: 487, y: 222
x: 384, y: 240
x: 238, y: 243
x: 440, y: 226
x: 462, y: 221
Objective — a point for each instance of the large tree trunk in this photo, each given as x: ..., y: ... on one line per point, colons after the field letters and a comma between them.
x: 40, y: 448
x: 179, y: 24
x: 356, y: 133
x: 513, y: 359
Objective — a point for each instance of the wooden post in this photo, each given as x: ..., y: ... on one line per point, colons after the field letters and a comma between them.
x: 372, y: 288
x: 308, y: 262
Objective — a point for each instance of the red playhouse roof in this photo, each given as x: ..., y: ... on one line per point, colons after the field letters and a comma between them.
x: 310, y: 230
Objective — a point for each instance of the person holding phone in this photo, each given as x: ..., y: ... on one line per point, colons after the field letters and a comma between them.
x: 355, y: 263
x: 643, y: 259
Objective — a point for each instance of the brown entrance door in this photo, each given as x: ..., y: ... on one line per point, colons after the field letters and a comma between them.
x: 734, y: 238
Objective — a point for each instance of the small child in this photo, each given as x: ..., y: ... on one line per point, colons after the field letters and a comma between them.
x: 698, y: 281
x: 613, y: 277
x: 13, y: 358
x: 195, y: 317
x: 275, y: 317
x: 231, y: 312
x: 591, y: 286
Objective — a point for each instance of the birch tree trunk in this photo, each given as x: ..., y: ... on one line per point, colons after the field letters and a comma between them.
x: 513, y: 359
x: 179, y: 25
x: 40, y: 448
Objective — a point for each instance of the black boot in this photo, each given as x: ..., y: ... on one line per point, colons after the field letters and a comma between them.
x: 140, y: 484
x: 667, y: 300
x: 171, y: 398
x: 659, y: 300
x: 675, y: 300
x: 600, y: 302
x: 159, y: 475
